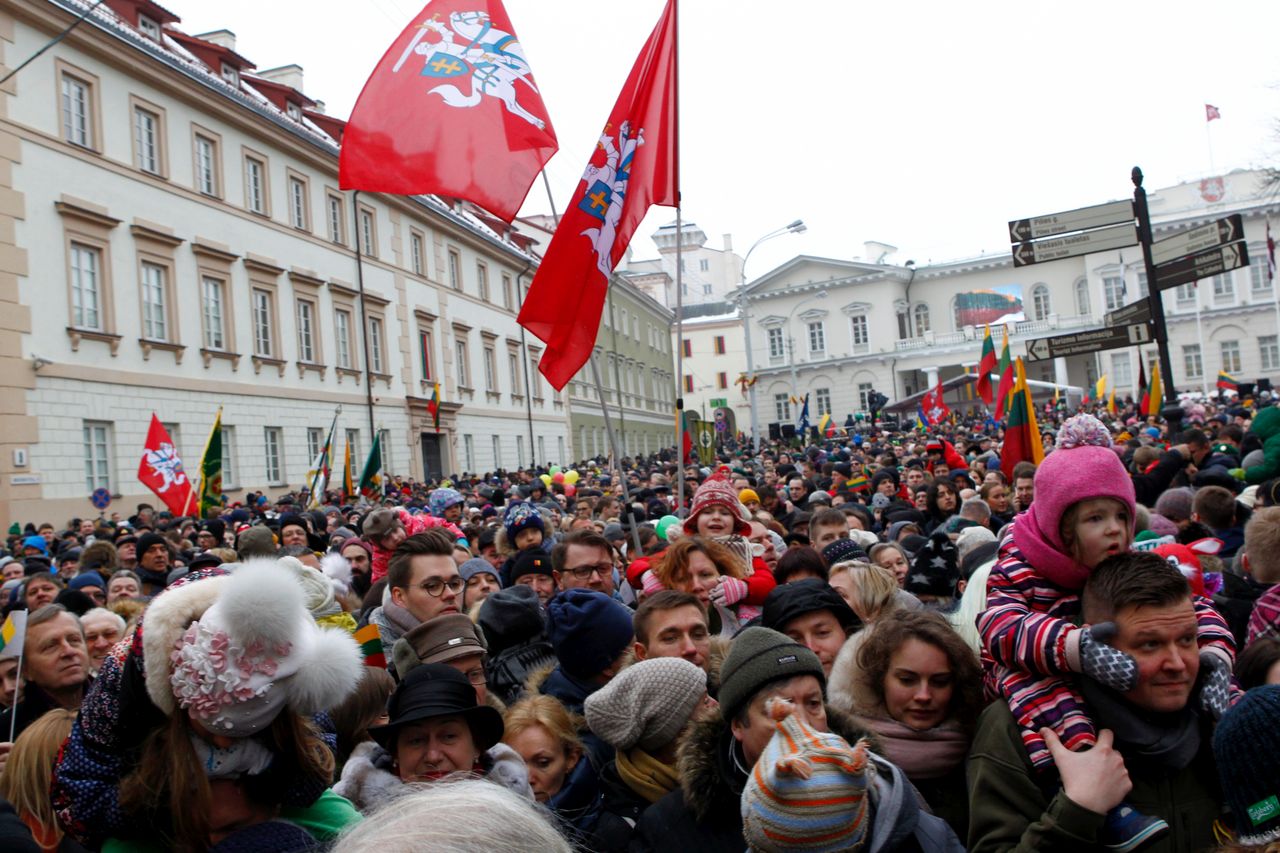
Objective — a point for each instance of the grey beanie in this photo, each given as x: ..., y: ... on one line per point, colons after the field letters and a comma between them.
x: 1175, y: 504
x: 647, y: 704
x: 475, y: 566
x: 257, y: 541
x: 760, y: 656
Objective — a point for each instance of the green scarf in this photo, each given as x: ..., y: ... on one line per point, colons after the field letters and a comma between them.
x: 646, y: 775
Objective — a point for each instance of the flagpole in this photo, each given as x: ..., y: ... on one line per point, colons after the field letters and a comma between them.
x: 17, y: 693
x: 1271, y: 278
x: 675, y: 64
x: 364, y: 315
x: 1204, y: 377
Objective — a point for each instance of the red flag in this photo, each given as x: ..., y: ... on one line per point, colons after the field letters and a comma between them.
x: 451, y: 108
x: 634, y: 166
x: 985, y: 365
x: 1006, y: 378
x: 1145, y: 391
x: 1211, y: 112
x: 161, y: 470
x: 934, y: 407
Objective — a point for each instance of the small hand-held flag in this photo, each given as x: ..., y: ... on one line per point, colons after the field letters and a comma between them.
x: 1211, y: 112
x: 211, y: 471
x: 12, y: 632
x: 348, y: 488
x: 1155, y: 396
x: 370, y: 640
x: 986, y: 365
x: 802, y: 422
x: 318, y: 476
x: 634, y: 166
x: 452, y: 109
x: 1100, y: 389
x: 160, y: 470
x: 1006, y: 378
x: 1226, y: 382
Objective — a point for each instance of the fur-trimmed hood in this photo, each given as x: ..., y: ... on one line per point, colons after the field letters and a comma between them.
x: 709, y: 777
x: 369, y: 781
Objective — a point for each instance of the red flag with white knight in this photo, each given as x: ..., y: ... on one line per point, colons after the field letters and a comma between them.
x: 935, y: 408
x: 633, y: 167
x: 451, y: 108
x: 160, y: 470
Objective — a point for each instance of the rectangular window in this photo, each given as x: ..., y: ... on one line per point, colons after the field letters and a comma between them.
x: 782, y: 407
x: 719, y: 344
x: 206, y: 165
x: 519, y: 450
x: 337, y: 219
x: 722, y: 380
x: 148, y: 28
x: 513, y: 365
x: 229, y: 457
x: 455, y: 269
x: 1269, y: 351
x: 342, y: 345
x: 154, y: 320
x: 688, y: 348
x: 1231, y: 356
x: 817, y: 337
x: 415, y: 252
x: 315, y: 438
x: 384, y: 450
x: 1259, y: 282
x: 231, y: 74
x: 460, y: 356
x: 375, y: 345
x: 542, y: 447
x: 368, y: 233
x: 497, y: 451
x: 506, y: 291
x: 306, y: 331
x: 469, y: 453
x: 86, y: 290
x: 97, y: 455
x: 77, y: 115
x: 1224, y: 289
x: 1113, y: 291
x: 706, y: 288
x: 1186, y: 294
x: 425, y: 349
x: 298, y: 204
x: 262, y: 337
x: 1192, y: 362
x: 211, y: 306
x: 1121, y: 370
x: 823, y: 398
x: 255, y: 179
x: 704, y: 265
x: 535, y: 378
x: 490, y: 369
x: 353, y: 441
x: 146, y: 140
x: 858, y: 330
x: 776, y: 349
x: 482, y: 281
x: 864, y: 392
x: 1143, y: 289
x: 272, y: 444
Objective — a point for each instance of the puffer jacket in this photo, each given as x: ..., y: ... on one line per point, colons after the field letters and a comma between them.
x: 1266, y: 426
x: 369, y: 782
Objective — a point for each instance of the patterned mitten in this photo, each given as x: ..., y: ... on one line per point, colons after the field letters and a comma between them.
x: 729, y: 591
x: 1215, y: 688
x: 1105, y: 665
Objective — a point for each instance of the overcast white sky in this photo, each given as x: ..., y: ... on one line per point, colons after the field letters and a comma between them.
x: 926, y: 125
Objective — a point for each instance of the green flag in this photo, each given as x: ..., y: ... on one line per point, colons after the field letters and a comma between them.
x: 370, y: 482
x: 211, y: 471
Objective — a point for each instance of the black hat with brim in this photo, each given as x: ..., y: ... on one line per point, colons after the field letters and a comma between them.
x: 437, y: 690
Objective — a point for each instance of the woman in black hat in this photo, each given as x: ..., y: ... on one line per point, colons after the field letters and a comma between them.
x: 437, y: 729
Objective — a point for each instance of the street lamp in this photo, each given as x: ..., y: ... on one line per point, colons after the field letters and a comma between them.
x: 795, y: 227
x: 795, y: 381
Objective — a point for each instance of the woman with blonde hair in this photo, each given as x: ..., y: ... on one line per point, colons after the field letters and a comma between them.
x: 25, y: 780
x: 869, y: 589
x: 700, y: 566
x: 562, y: 777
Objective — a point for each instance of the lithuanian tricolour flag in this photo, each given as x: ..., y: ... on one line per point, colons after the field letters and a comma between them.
x: 1226, y: 382
x: 1021, y: 435
x: 370, y: 641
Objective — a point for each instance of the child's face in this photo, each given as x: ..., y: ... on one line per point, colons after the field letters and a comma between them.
x: 392, y: 538
x: 530, y: 537
x: 1101, y: 529
x: 716, y: 520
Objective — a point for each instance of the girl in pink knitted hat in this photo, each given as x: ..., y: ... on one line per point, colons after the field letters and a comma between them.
x: 1083, y: 513
x: 718, y: 514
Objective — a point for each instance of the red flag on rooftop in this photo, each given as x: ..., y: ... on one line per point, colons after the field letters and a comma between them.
x: 1211, y: 112
x: 160, y: 470
x: 633, y: 167
x: 452, y: 109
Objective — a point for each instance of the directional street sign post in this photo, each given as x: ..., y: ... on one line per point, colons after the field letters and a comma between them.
x: 1094, y: 340
x: 1086, y: 243
x: 1136, y: 312
x: 1082, y: 219
x: 1203, y: 265
x: 1227, y: 230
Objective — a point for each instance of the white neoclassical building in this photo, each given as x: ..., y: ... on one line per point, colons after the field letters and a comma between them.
x: 838, y: 329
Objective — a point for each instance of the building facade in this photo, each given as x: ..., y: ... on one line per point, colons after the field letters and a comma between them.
x: 838, y: 329
x: 173, y: 240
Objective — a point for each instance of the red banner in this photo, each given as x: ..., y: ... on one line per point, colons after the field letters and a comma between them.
x: 161, y: 470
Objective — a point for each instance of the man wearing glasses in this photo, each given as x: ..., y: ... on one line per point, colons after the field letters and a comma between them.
x: 583, y: 559
x: 422, y: 583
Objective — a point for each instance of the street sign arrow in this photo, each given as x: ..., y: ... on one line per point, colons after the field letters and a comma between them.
x: 1137, y: 312
x: 1226, y: 230
x: 1203, y: 265
x: 1070, y: 220
x: 1100, y: 240
x: 1094, y: 340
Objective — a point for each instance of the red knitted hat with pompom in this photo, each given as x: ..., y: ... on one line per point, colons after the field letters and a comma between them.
x: 717, y: 490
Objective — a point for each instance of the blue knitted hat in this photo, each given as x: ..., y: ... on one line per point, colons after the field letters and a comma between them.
x: 1245, y: 746
x: 588, y: 630
x: 519, y: 516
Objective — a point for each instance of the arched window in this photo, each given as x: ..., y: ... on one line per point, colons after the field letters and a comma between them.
x: 922, y: 318
x: 1082, y: 297
x: 1040, y: 309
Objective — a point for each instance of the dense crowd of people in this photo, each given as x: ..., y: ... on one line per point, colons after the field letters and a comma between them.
x: 873, y: 641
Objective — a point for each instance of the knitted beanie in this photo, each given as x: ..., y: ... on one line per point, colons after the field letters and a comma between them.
x: 511, y: 616
x: 647, y: 704
x: 935, y: 569
x: 748, y: 495
x: 1084, y: 466
x: 808, y: 791
x: 256, y: 542
x: 588, y: 630
x: 717, y: 491
x: 1244, y: 748
x: 534, y: 561
x: 521, y: 515
x: 84, y: 579
x: 972, y: 537
x: 1174, y: 504
x: 441, y: 499
x: 841, y: 550
x: 476, y: 566
x: 758, y: 657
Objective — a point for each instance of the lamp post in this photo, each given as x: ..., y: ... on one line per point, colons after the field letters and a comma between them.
x: 795, y: 381
x: 795, y: 227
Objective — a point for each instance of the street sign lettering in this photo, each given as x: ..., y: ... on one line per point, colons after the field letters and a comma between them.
x: 1227, y: 230
x: 1101, y: 240
x: 1070, y: 220
x: 1137, y: 312
x: 1203, y: 265
x: 1094, y: 340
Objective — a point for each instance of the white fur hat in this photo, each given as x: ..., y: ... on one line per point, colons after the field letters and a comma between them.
x: 251, y: 651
